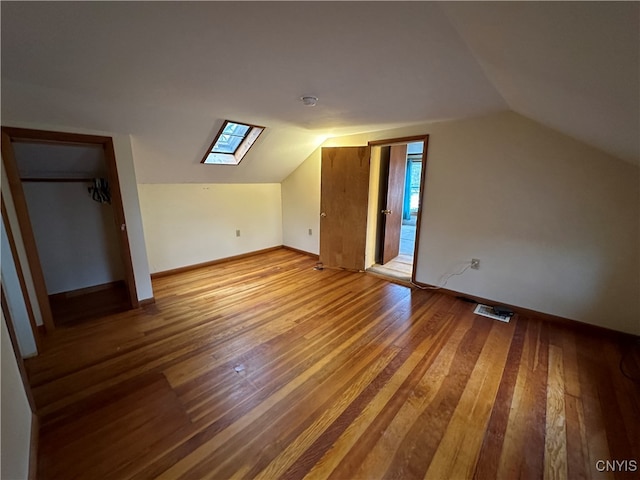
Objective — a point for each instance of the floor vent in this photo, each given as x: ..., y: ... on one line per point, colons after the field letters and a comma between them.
x: 487, y: 311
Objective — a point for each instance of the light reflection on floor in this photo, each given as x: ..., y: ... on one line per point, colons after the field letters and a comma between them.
x: 401, y: 267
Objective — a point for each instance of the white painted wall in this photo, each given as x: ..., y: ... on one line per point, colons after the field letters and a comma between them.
x: 16, y: 415
x: 132, y: 215
x: 129, y: 191
x: 76, y: 236
x: 301, y: 206
x: 553, y: 221
x: 15, y: 299
x: 187, y: 224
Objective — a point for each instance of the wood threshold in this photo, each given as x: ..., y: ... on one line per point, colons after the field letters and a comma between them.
x: 187, y: 268
x: 389, y: 278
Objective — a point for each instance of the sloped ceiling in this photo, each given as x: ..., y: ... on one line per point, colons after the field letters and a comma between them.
x: 169, y: 73
x: 572, y: 66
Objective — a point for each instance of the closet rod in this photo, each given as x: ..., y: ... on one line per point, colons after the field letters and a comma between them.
x: 76, y: 179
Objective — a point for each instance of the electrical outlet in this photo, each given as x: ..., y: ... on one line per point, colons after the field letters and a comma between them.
x: 475, y: 263
x: 310, y: 232
x: 237, y: 233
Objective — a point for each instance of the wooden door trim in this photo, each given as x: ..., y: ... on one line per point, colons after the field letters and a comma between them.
x: 396, y: 141
x: 27, y: 135
x: 119, y: 218
x: 423, y: 171
x: 425, y: 142
x: 12, y: 135
x: 6, y: 313
x: 24, y: 223
x: 21, y: 280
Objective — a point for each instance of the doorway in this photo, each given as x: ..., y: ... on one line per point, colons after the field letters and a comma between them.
x: 397, y: 187
x: 67, y: 200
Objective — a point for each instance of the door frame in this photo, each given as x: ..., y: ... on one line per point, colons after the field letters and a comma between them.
x: 21, y: 280
x: 425, y: 144
x: 11, y: 135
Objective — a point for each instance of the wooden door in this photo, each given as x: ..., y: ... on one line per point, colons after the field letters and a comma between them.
x: 344, y: 198
x: 392, y: 212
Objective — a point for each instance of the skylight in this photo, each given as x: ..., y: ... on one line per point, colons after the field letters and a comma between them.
x: 232, y: 143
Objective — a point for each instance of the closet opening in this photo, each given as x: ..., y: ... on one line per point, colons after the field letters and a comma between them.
x: 67, y: 198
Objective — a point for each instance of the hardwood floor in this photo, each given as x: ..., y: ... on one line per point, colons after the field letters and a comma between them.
x: 89, y: 303
x: 266, y: 368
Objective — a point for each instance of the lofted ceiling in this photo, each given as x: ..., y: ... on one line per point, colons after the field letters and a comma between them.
x: 169, y: 73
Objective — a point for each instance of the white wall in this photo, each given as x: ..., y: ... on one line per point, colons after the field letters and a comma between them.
x: 15, y: 299
x: 187, y: 224
x: 553, y: 221
x: 76, y: 236
x: 301, y: 206
x: 132, y: 215
x: 16, y: 415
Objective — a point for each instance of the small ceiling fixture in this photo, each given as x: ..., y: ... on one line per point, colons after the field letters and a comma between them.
x: 309, y: 101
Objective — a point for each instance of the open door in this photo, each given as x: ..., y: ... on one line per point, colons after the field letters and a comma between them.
x: 344, y: 197
x: 392, y: 212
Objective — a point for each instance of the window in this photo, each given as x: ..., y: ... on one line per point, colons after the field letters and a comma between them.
x: 232, y: 143
x: 415, y: 172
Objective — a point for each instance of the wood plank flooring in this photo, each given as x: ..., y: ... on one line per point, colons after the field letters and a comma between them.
x: 266, y: 368
x: 89, y: 303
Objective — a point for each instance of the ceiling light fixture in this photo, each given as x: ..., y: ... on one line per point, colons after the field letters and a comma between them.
x: 309, y: 101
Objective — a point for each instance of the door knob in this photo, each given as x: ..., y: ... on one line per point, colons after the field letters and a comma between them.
x: 386, y: 212
x: 323, y: 214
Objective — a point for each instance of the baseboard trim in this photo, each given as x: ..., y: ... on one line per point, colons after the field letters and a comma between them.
x: 187, y: 268
x: 33, y: 447
x: 302, y: 252
x: 146, y: 301
x: 574, y: 324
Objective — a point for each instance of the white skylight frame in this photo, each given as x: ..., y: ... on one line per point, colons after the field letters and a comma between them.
x: 226, y: 149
